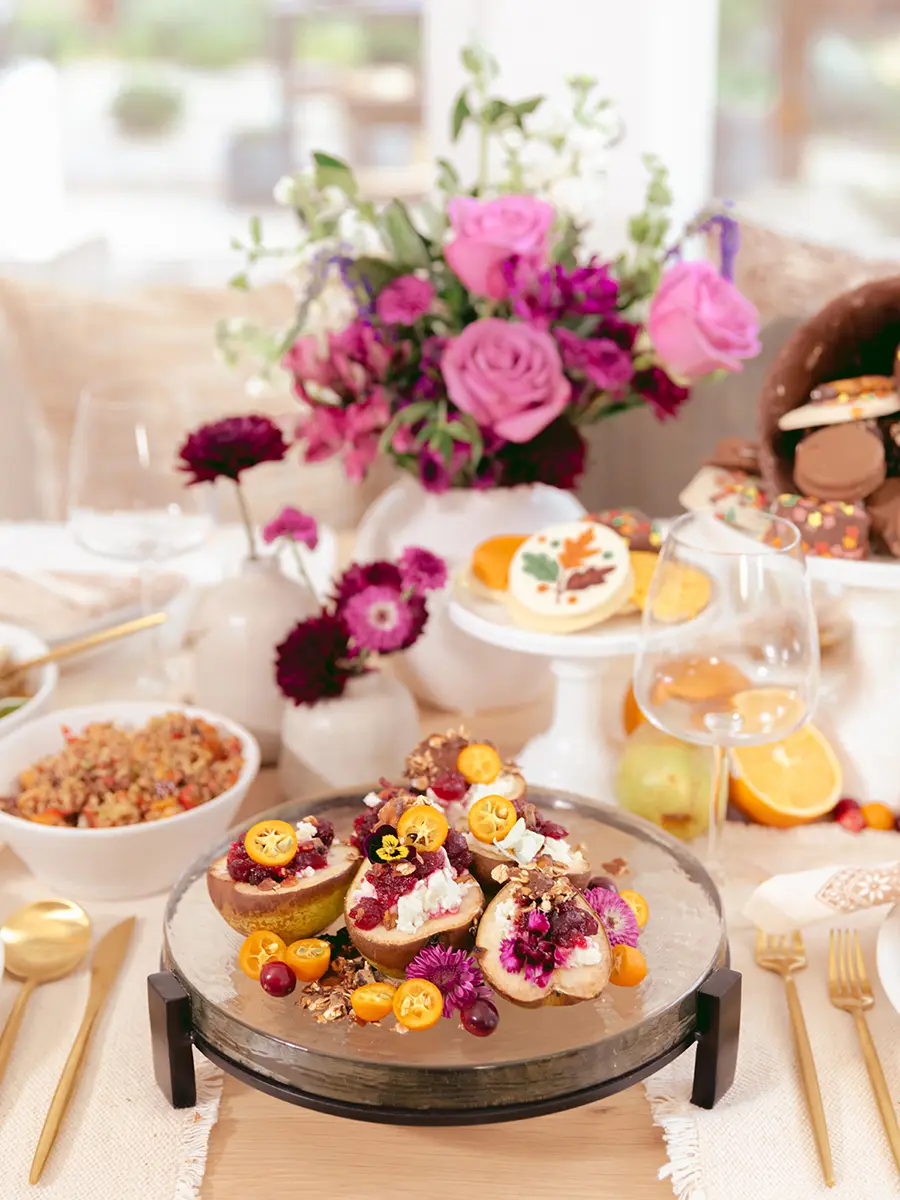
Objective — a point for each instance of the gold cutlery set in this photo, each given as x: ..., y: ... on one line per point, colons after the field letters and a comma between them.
x: 43, y: 943
x: 850, y: 991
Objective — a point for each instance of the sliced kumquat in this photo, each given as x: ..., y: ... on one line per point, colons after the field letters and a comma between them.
x: 418, y: 1004
x: 309, y: 959
x: 424, y: 827
x: 629, y: 967
x: 260, y: 948
x: 271, y: 843
x: 638, y: 906
x: 479, y: 763
x: 372, y: 1001
x: 491, y: 818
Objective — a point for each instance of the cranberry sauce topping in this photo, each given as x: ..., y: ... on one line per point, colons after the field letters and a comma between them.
x: 458, y: 851
x: 570, y: 925
x: 243, y: 869
x: 390, y: 885
x: 364, y: 824
x: 541, y: 940
x: 325, y: 834
x: 538, y: 823
x: 450, y: 786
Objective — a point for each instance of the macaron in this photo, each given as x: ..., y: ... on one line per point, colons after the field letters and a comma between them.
x: 840, y: 462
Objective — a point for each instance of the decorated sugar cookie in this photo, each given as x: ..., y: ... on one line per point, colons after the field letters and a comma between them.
x: 721, y: 488
x: 569, y: 577
x: 630, y: 523
x: 865, y: 398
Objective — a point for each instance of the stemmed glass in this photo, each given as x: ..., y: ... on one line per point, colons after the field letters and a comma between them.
x: 126, y: 500
x: 729, y: 653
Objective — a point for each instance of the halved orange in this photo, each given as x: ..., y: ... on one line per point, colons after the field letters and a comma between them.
x: 767, y: 710
x: 786, y: 783
x: 632, y: 713
x: 681, y: 593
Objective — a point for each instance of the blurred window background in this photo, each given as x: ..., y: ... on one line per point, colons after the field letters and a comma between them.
x: 154, y: 127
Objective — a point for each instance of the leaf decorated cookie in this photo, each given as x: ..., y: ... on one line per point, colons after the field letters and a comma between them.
x: 570, y: 576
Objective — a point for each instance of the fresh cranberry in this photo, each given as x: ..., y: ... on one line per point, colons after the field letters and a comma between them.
x: 325, y: 833
x: 450, y: 787
x: 570, y: 925
x: 366, y: 913
x: 480, y: 1018
x: 364, y: 824
x: 427, y: 862
x: 604, y: 882
x: 458, y: 851
x: 277, y: 979
x: 849, y: 814
x: 308, y: 857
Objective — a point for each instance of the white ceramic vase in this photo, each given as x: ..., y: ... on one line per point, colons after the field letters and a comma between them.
x: 446, y: 668
x: 237, y: 624
x: 349, y: 742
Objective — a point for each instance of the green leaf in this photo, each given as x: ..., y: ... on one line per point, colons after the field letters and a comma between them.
x: 526, y: 107
x: 240, y: 282
x: 410, y: 248
x: 461, y: 114
x: 471, y: 60
x: 541, y: 567
x: 334, y: 172
x: 442, y: 442
x: 413, y: 412
x: 494, y: 109
x: 370, y: 275
x: 448, y: 179
x: 255, y: 231
x: 567, y: 244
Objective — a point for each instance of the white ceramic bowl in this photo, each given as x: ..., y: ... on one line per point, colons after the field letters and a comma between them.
x: 134, y: 860
x: 25, y: 644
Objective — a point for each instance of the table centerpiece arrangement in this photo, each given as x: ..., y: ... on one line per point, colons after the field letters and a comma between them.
x: 472, y: 339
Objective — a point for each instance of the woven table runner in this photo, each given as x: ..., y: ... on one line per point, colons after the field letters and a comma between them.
x: 757, y: 1142
x: 120, y: 1139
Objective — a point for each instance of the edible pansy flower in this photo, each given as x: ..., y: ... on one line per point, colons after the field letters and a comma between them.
x: 385, y: 846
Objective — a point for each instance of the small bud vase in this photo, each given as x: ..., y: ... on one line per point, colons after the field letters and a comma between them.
x: 351, y: 741
x: 236, y: 626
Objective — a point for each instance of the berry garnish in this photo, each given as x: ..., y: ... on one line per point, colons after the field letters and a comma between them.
x: 366, y: 913
x: 450, y: 787
x: 364, y: 824
x: 570, y: 925
x: 878, y: 816
x: 457, y: 849
x: 480, y: 1019
x: 602, y: 881
x: 277, y: 979
x: 325, y: 832
x: 243, y: 869
x: 848, y: 813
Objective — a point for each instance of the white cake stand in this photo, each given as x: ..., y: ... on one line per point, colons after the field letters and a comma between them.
x: 572, y: 754
x: 860, y: 696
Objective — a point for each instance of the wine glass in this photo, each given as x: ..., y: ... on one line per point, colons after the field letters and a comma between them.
x: 126, y: 499
x: 729, y: 653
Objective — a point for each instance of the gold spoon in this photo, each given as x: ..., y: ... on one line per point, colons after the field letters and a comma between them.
x: 79, y: 645
x: 43, y: 942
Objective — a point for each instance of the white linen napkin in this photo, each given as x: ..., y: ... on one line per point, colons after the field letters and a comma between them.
x: 787, y: 902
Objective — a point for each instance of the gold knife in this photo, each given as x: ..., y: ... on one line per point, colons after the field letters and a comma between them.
x: 108, y: 959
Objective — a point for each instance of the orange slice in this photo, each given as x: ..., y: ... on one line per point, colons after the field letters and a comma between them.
x: 271, y: 843
x: 681, y: 594
x: 491, y: 560
x: 424, y: 827
x: 694, y: 679
x: 632, y: 713
x: 491, y: 818
x: 786, y: 783
x: 767, y: 710
x: 478, y: 763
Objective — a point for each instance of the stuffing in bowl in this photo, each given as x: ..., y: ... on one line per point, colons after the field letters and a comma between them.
x: 114, y: 800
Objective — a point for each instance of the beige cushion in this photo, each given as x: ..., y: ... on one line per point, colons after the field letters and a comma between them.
x: 64, y: 342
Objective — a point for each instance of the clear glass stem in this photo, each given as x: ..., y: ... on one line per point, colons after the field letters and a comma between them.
x: 718, y: 804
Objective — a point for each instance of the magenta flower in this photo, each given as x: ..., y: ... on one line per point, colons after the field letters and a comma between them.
x: 556, y: 292
x: 598, y: 359
x: 306, y: 362
x: 506, y: 375
x: 421, y: 570
x: 404, y: 300
x: 381, y: 620
x: 224, y: 449
x: 454, y: 973
x: 291, y: 523
x: 360, y: 576
x: 313, y: 662
x: 531, y: 953
x: 615, y: 915
x: 663, y: 395
x: 323, y: 432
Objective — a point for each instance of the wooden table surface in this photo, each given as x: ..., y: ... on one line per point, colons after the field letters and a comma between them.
x: 262, y: 1147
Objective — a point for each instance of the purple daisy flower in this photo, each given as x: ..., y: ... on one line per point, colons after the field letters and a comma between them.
x: 422, y: 571
x: 615, y: 916
x: 379, y: 619
x: 454, y: 973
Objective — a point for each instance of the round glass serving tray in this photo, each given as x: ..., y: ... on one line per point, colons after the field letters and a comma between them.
x: 535, y: 1056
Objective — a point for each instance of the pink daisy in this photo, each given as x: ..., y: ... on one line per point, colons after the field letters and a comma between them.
x: 379, y: 619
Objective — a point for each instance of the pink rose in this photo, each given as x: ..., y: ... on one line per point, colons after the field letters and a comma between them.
x: 306, y: 362
x: 700, y: 322
x: 488, y: 232
x: 506, y: 375
x: 404, y: 300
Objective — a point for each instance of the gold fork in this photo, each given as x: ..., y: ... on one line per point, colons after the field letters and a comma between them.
x: 784, y: 956
x: 850, y: 991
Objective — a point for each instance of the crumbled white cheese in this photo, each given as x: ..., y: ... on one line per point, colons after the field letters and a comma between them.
x: 365, y: 891
x: 373, y: 800
x: 505, y: 915
x: 306, y: 872
x: 504, y: 785
x: 584, y: 956
x: 435, y: 801
x: 431, y: 897
x: 306, y: 831
x: 560, y: 851
x: 521, y: 843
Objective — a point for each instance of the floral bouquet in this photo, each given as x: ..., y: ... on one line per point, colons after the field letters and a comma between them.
x: 479, y: 336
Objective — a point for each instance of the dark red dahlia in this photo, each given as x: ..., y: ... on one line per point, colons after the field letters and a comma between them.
x: 557, y: 456
x: 223, y: 449
x: 663, y: 394
x: 311, y: 662
x: 360, y: 576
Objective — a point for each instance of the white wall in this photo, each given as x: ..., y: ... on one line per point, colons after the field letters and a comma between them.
x: 655, y: 58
